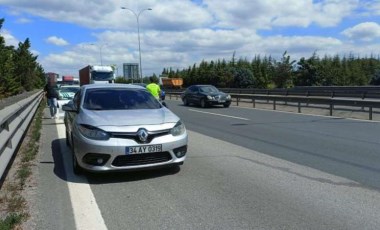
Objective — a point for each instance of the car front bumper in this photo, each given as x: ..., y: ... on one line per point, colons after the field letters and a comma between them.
x: 217, y: 102
x: 113, y: 154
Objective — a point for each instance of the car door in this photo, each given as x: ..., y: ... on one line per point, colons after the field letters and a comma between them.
x: 70, y: 116
x: 193, y: 91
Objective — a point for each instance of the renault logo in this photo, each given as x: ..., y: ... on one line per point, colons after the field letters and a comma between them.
x: 142, y: 134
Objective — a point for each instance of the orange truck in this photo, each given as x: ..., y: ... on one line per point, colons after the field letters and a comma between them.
x: 171, y: 82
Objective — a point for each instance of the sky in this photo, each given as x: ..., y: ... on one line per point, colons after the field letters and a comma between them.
x: 68, y: 35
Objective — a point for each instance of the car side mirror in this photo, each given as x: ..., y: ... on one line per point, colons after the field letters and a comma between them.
x: 69, y: 107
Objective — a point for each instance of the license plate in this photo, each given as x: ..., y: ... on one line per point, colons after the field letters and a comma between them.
x: 143, y: 149
x: 221, y: 101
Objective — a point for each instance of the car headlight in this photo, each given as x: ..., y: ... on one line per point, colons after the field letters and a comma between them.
x: 228, y: 97
x: 178, y: 129
x: 209, y: 97
x: 93, y: 133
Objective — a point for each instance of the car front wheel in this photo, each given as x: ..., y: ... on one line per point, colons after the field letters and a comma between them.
x: 185, y: 101
x: 203, y: 103
x: 76, y: 168
x: 67, y: 139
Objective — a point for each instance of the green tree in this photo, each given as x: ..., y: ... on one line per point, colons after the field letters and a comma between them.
x: 243, y: 77
x: 121, y: 80
x: 26, y: 66
x: 283, y: 72
x: 307, y: 72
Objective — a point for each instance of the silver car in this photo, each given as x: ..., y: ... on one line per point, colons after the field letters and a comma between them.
x: 113, y: 127
x: 66, y: 93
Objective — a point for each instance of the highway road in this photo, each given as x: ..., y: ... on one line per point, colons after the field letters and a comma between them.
x: 246, y: 169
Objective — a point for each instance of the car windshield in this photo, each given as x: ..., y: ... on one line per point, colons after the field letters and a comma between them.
x: 102, y: 76
x: 208, y: 89
x: 119, y: 99
x: 67, y: 92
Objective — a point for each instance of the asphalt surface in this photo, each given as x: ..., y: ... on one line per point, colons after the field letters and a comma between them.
x: 343, y: 147
x: 246, y: 169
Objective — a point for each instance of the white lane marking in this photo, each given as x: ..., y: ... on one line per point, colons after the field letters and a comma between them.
x: 307, y: 114
x: 86, y: 211
x: 222, y: 115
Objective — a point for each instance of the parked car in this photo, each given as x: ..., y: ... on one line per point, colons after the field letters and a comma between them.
x: 113, y: 127
x: 65, y: 94
x: 205, y: 95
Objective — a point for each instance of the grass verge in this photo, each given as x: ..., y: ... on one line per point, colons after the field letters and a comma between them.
x: 12, y: 203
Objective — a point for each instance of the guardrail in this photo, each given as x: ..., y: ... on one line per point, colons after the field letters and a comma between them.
x: 300, y: 100
x: 316, y: 91
x: 14, y: 121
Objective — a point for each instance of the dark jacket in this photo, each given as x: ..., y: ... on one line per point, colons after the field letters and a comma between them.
x: 51, y: 91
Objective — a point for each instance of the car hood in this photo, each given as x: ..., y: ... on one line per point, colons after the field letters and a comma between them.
x: 141, y: 117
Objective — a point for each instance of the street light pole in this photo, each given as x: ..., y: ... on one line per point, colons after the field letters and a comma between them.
x: 100, y: 52
x: 138, y: 33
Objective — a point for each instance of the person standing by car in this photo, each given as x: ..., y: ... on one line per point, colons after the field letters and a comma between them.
x: 51, y: 94
x: 154, y: 88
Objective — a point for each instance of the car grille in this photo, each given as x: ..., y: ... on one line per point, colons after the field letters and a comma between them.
x: 141, y: 159
x: 133, y: 136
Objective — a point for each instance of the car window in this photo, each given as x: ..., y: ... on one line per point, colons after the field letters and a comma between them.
x: 76, y: 99
x: 208, y: 89
x: 193, y: 89
x: 119, y: 99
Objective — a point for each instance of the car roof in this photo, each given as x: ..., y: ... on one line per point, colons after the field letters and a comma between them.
x: 111, y: 85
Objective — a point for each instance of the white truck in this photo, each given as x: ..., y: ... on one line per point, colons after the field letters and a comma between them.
x: 94, y: 74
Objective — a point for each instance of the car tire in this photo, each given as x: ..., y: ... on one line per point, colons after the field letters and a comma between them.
x: 202, y: 102
x: 175, y: 168
x: 67, y: 139
x: 185, y: 101
x: 226, y: 105
x: 76, y: 168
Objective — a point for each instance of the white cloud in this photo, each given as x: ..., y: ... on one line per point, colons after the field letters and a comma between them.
x: 260, y: 14
x: 366, y: 31
x: 179, y: 33
x: 331, y: 12
x: 56, y: 41
x: 24, y: 20
x: 176, y: 15
x: 373, y: 6
x: 10, y: 40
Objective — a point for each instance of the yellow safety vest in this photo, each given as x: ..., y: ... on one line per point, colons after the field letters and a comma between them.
x: 154, y: 89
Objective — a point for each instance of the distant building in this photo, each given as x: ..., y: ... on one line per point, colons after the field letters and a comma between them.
x: 131, y: 70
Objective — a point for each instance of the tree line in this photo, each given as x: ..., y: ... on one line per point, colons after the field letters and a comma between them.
x: 19, y: 70
x: 267, y: 72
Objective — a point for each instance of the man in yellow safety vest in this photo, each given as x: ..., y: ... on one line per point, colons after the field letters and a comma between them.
x: 154, y: 88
